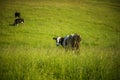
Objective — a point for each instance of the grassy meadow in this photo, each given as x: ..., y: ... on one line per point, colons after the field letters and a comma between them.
x: 28, y: 52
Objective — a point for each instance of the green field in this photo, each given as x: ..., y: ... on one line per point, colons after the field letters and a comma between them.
x: 28, y: 52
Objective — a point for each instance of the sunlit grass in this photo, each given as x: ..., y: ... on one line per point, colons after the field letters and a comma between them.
x: 33, y: 63
x: 28, y: 52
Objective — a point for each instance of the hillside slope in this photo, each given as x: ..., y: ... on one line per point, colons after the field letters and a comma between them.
x: 28, y: 52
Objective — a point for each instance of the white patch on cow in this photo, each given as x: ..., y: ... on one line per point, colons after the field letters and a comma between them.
x: 58, y: 40
x: 72, y: 34
x: 65, y: 38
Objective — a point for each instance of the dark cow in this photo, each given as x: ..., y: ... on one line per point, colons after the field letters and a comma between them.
x: 18, y: 21
x: 69, y: 42
x: 17, y: 14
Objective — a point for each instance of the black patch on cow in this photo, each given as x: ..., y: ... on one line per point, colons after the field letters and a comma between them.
x: 61, y: 41
x: 17, y: 14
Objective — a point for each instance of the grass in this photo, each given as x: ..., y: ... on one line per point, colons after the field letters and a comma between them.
x: 27, y: 51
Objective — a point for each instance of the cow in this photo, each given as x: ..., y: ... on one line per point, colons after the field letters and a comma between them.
x: 18, y: 21
x: 17, y: 14
x: 71, y: 41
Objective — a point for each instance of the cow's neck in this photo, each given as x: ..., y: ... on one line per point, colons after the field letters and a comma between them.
x: 62, y: 39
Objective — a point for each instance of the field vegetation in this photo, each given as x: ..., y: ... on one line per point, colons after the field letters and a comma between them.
x: 28, y: 52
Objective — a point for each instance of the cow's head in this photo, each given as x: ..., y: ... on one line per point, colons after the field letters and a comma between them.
x: 59, y: 40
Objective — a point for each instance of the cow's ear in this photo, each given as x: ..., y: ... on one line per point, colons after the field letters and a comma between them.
x: 54, y: 38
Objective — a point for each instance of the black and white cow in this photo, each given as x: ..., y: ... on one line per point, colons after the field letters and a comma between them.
x: 18, y: 21
x: 71, y: 41
x: 17, y: 14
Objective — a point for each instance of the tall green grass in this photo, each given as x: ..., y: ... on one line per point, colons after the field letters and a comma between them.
x: 42, y: 64
x: 27, y: 51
